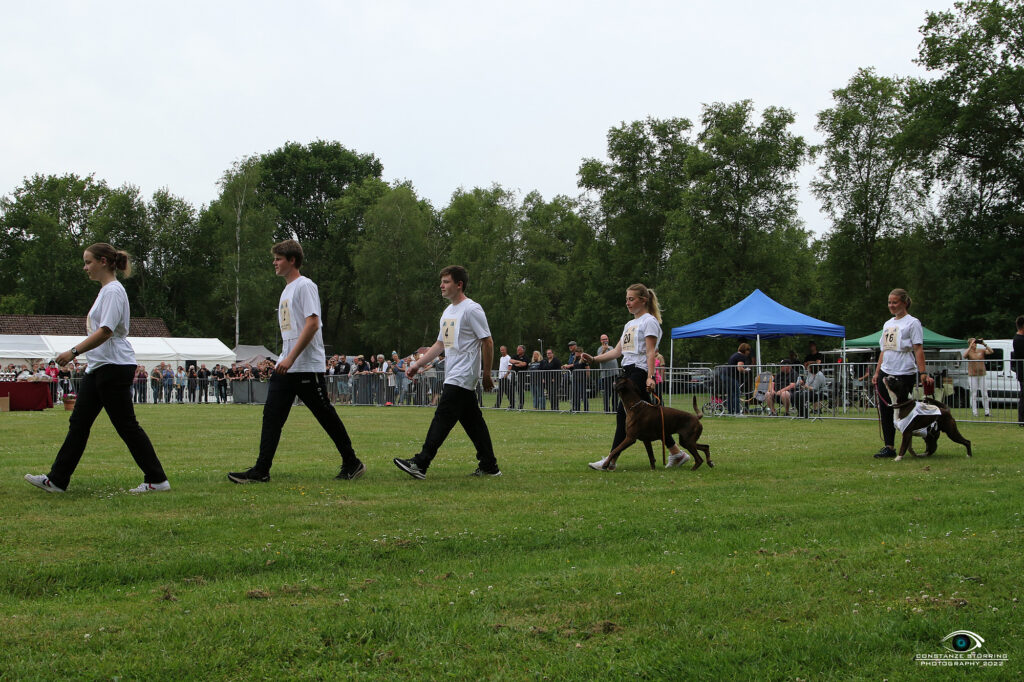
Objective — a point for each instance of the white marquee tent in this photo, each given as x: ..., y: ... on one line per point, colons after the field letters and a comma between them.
x: 149, y: 351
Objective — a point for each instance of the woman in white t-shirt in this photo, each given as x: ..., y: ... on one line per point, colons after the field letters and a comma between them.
x: 900, y: 364
x: 638, y: 348
x: 107, y: 384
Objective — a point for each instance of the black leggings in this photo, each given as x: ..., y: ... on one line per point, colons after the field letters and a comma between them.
x: 639, y: 378
x: 106, y: 388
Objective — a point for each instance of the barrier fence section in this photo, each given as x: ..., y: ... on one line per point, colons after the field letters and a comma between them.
x: 844, y: 390
x: 827, y: 391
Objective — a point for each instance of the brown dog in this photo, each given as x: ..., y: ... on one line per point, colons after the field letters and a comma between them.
x: 644, y: 423
x: 943, y: 423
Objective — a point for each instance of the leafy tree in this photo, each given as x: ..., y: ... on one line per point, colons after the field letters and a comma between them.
x: 395, y: 275
x: 866, y: 183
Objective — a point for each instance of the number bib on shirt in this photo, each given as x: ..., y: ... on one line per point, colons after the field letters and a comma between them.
x: 449, y: 331
x: 629, y: 339
x: 891, y: 338
x: 284, y: 314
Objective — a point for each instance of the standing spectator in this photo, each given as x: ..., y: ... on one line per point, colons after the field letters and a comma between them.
x: 638, y: 346
x: 731, y: 377
x: 168, y: 381
x: 156, y: 382
x: 813, y: 357
x: 220, y: 380
x: 299, y: 372
x: 659, y: 373
x: 140, y: 384
x: 398, y: 367
x: 577, y: 378
x: 179, y: 384
x: 342, y: 372
x: 520, y: 362
x: 108, y: 379
x: 504, y: 378
x: 1017, y: 364
x: 551, y: 371
x: 902, y: 352
x: 466, y: 339
x: 193, y: 383
x: 975, y: 357
x: 536, y: 380
x: 203, y: 375
x: 52, y: 373
x: 606, y: 381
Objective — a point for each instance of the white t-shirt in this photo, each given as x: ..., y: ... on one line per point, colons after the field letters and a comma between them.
x: 111, y: 311
x: 299, y: 300
x: 634, y: 340
x: 897, y: 344
x: 504, y: 365
x: 462, y: 328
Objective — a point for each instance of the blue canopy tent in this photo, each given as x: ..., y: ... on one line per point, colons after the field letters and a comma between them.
x: 757, y: 316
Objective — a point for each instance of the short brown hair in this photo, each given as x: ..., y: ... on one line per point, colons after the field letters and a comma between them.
x: 458, y: 274
x: 290, y: 249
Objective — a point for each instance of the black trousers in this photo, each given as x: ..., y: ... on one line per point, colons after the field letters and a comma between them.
x: 459, y: 405
x: 1020, y: 398
x: 639, y: 378
x: 107, y: 388
x: 311, y: 387
x: 902, y: 385
x: 505, y: 389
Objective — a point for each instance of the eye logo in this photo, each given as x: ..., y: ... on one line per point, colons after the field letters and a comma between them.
x: 962, y: 641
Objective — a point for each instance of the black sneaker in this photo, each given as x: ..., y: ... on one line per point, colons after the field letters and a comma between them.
x: 885, y: 453
x: 351, y: 473
x: 409, y: 466
x: 250, y: 476
x: 481, y: 472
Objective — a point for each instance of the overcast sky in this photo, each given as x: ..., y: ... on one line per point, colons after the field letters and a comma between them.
x: 446, y: 94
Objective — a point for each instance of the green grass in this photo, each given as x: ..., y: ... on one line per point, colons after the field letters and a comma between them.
x: 797, y: 556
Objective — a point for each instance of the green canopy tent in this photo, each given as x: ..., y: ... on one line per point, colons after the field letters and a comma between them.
x: 932, y: 340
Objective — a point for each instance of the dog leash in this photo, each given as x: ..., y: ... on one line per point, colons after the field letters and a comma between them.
x: 661, y: 411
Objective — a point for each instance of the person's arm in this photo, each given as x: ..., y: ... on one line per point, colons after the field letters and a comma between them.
x: 309, y: 330
x: 878, y: 367
x: 486, y: 358
x: 94, y: 340
x: 652, y: 356
x: 921, y: 367
x: 424, y: 359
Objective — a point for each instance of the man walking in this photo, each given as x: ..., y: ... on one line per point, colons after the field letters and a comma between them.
x: 299, y: 372
x: 465, y: 339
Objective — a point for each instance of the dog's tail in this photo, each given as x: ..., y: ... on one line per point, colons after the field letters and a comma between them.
x: 696, y: 410
x: 933, y: 401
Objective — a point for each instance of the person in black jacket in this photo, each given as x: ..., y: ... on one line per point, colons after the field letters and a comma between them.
x: 1017, y: 365
x: 552, y: 373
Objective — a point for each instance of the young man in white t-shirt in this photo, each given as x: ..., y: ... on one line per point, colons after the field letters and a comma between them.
x: 300, y: 371
x: 465, y: 339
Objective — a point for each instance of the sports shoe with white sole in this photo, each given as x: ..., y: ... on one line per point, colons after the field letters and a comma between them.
x: 599, y: 465
x: 677, y: 459
x: 351, y: 473
x: 41, y: 481
x: 152, y: 488
x: 409, y: 466
x: 481, y: 472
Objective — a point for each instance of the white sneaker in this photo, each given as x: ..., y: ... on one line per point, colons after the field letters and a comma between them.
x: 599, y: 465
x: 677, y: 459
x: 152, y: 487
x: 40, y: 481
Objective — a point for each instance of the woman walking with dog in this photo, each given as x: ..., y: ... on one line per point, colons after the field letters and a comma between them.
x: 638, y: 348
x: 900, y: 365
x: 107, y: 384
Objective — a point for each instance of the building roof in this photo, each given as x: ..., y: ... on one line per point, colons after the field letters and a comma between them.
x: 73, y: 325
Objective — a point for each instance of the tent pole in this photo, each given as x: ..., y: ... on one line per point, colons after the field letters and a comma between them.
x: 671, y: 367
x: 758, y: 353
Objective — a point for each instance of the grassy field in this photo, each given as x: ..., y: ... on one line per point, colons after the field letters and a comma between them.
x: 797, y: 556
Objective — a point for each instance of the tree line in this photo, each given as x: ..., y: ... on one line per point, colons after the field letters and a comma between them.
x: 922, y: 180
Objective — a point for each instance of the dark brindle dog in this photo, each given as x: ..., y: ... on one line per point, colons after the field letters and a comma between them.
x: 932, y: 425
x: 644, y: 423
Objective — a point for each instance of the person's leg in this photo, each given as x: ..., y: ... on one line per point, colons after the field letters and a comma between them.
x: 311, y: 387
x: 87, y: 408
x: 280, y: 395
x: 114, y: 385
x: 445, y: 417
x: 972, y: 383
x: 984, y: 395
x: 1020, y: 398
x: 472, y: 420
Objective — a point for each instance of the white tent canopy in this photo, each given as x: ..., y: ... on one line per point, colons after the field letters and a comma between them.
x: 149, y: 350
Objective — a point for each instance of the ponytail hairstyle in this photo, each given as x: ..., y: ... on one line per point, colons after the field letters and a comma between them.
x: 902, y: 295
x: 650, y: 297
x: 116, y: 260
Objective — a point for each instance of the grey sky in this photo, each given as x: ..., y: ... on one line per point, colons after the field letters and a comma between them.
x: 446, y: 94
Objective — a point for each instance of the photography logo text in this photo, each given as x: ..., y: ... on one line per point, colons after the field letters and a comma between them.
x: 963, y: 649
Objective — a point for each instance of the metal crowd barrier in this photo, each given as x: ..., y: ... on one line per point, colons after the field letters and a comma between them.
x: 722, y: 391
